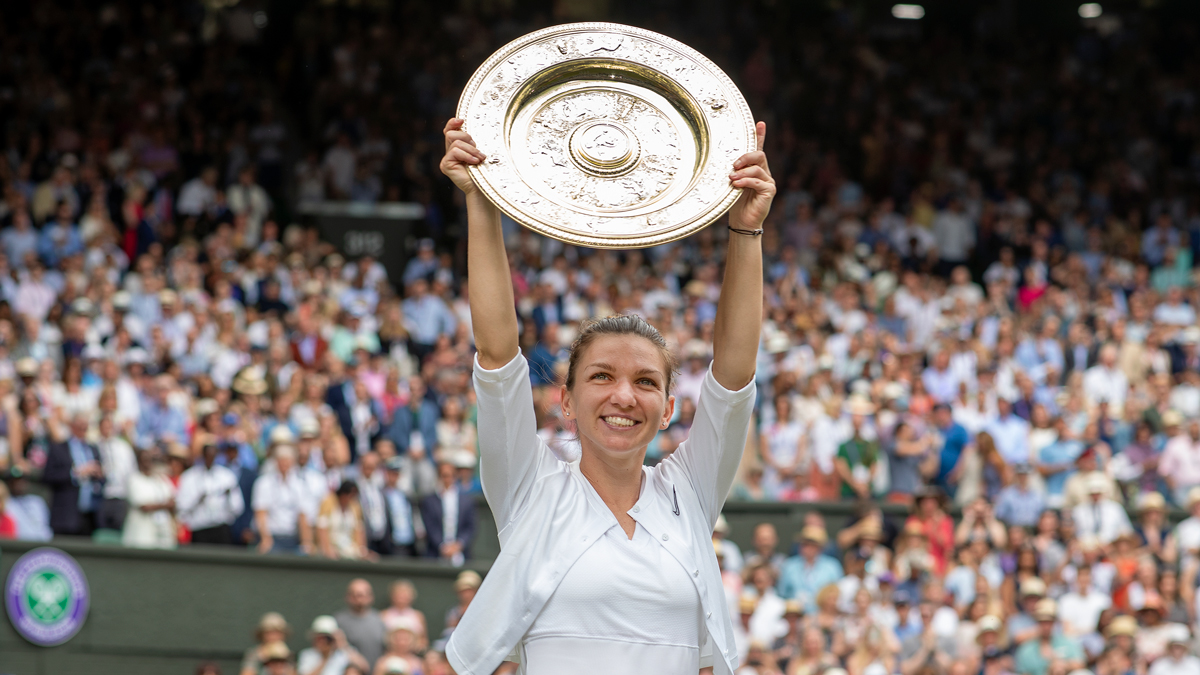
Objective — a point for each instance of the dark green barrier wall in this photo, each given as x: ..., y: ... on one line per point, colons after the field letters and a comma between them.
x: 163, y: 612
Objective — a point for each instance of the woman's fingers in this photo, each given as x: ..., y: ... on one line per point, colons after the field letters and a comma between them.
x: 752, y: 171
x: 467, y: 147
x: 757, y: 184
x: 462, y: 156
x: 756, y: 158
x: 760, y: 135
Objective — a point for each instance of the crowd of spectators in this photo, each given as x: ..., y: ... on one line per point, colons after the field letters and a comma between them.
x: 359, y: 639
x: 980, y: 282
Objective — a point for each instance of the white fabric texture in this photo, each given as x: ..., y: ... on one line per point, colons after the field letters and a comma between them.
x: 548, y: 516
x: 625, y: 602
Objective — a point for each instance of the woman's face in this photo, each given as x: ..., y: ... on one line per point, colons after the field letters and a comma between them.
x: 402, y: 641
x: 619, y: 401
x: 1047, y: 523
x: 402, y: 596
x: 813, y: 642
x: 270, y: 636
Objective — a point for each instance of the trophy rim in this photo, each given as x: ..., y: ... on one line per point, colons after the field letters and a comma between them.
x: 716, y: 209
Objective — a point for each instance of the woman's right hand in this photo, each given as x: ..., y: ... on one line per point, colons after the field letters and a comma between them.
x: 460, y: 153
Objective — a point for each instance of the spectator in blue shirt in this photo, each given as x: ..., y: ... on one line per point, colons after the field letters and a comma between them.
x: 954, y: 440
x: 60, y: 237
x: 805, y: 574
x: 1018, y: 504
x: 426, y: 316
x: 159, y: 421
x: 1011, y: 433
x: 1056, y: 462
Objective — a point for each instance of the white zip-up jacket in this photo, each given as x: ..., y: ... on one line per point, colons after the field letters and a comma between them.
x: 548, y: 514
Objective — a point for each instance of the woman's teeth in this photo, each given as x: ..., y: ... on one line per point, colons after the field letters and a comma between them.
x: 620, y: 421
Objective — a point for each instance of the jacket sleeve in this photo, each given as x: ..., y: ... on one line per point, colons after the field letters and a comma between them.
x: 467, y: 519
x: 58, y: 466
x: 433, y: 524
x: 511, y: 454
x: 709, y: 458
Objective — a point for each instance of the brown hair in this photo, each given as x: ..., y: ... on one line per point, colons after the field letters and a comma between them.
x: 624, y: 324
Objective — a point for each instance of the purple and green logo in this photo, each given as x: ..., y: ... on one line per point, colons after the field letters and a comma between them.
x: 46, y: 596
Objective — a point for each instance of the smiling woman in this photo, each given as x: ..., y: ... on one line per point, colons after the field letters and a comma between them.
x: 605, y: 560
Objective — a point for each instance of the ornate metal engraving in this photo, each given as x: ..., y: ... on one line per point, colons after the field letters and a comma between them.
x: 606, y: 135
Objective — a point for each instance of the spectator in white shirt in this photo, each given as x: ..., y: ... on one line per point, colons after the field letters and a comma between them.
x: 279, y: 502
x: 199, y: 195
x: 119, y: 462
x: 1080, y: 609
x: 1177, y: 660
x: 1105, y: 382
x: 1100, y: 517
x: 209, y: 499
x: 1174, y: 311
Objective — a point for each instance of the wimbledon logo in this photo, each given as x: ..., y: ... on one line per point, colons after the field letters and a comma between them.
x: 46, y: 596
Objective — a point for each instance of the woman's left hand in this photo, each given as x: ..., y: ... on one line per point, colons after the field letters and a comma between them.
x: 751, y: 173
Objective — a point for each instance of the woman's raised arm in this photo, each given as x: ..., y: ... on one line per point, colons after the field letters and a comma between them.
x: 739, y: 311
x: 493, y: 310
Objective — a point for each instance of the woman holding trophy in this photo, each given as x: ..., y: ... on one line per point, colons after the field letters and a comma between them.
x: 605, y: 563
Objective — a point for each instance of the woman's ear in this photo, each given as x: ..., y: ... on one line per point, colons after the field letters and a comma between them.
x: 564, y: 396
x: 668, y: 413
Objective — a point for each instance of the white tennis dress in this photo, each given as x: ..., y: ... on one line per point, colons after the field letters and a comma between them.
x: 626, y: 603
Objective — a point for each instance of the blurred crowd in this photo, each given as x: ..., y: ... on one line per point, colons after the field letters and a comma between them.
x: 980, y: 281
x: 359, y: 639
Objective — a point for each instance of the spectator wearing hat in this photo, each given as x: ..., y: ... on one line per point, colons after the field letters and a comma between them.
x: 271, y: 629
x: 449, y: 518
x: 401, y: 533
x: 1156, y: 632
x: 361, y: 623
x: 28, y: 511
x: 277, y: 660
x: 76, y: 478
x: 733, y: 554
x: 1100, y: 516
x: 1152, y: 528
x: 1177, y: 660
x: 1180, y: 462
x: 1076, y: 490
x: 790, y: 643
x: 857, y: 459
x: 279, y: 502
x: 210, y: 498
x: 1019, y: 504
x: 466, y: 585
x: 1022, y: 625
x: 329, y: 654
x: 806, y: 573
x: 1050, y: 649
